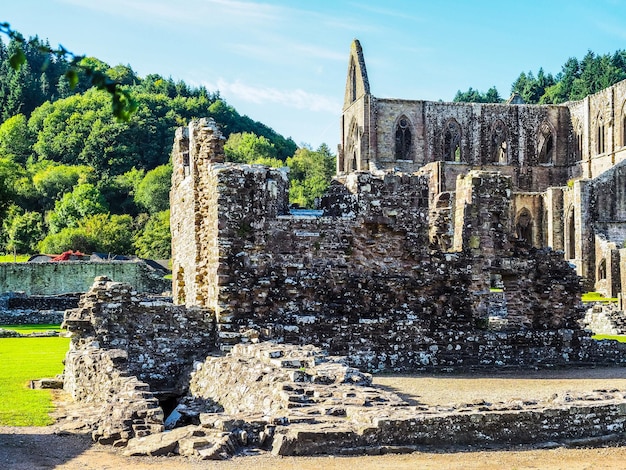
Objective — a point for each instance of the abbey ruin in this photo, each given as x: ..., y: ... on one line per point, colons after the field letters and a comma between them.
x: 455, y: 237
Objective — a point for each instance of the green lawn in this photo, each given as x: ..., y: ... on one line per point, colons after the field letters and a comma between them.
x: 596, y: 297
x: 22, y: 360
x: 620, y: 338
x: 13, y: 259
x: 28, y: 329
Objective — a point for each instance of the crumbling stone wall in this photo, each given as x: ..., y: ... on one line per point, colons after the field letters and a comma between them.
x: 125, y: 406
x: 367, y: 281
x: 162, y: 340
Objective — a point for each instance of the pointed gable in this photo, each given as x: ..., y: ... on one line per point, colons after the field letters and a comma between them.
x: 357, y: 84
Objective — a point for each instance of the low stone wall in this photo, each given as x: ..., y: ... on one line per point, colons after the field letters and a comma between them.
x: 22, y: 309
x: 605, y: 320
x: 125, y: 405
x: 583, y: 420
x: 296, y: 400
x: 77, y: 276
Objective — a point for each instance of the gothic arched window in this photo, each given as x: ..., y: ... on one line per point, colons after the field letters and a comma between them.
x: 499, y: 147
x: 403, y: 139
x: 452, y: 141
x: 546, y: 144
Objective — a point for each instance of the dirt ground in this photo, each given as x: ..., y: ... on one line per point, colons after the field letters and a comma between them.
x: 41, y: 448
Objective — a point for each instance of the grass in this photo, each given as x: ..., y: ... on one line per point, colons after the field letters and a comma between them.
x: 597, y: 297
x: 28, y: 329
x: 22, y: 360
x: 620, y: 338
x: 13, y: 259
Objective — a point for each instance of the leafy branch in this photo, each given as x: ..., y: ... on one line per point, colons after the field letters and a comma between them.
x: 122, y: 102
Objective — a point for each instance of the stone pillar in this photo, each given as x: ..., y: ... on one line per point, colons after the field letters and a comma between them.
x: 482, y: 215
x: 192, y: 206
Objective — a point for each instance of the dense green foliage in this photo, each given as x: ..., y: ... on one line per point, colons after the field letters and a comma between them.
x: 22, y: 360
x: 72, y: 176
x: 577, y: 79
x: 310, y: 171
x: 475, y: 96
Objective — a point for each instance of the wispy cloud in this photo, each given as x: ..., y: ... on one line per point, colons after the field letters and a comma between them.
x: 192, y: 11
x: 296, y: 98
x: 387, y: 12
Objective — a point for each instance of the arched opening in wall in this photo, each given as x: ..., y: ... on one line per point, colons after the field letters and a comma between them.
x: 524, y: 226
x: 600, y: 135
x: 602, y: 269
x: 352, y: 82
x: 403, y: 139
x: 571, y: 235
x: 579, y: 146
x: 499, y: 145
x: 352, y: 148
x: 545, y: 144
x: 452, y: 141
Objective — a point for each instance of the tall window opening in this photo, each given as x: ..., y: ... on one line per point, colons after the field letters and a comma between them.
x: 499, y: 147
x: 546, y: 144
x: 524, y: 227
x: 571, y: 235
x: 600, y: 136
x: 602, y: 269
x: 353, y: 83
x: 403, y: 139
x: 452, y: 142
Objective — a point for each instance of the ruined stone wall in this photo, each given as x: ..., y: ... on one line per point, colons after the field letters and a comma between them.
x: 600, y: 114
x: 365, y: 281
x: 356, y: 123
x: 161, y: 340
x: 124, y: 407
x: 522, y: 126
x: 77, y: 276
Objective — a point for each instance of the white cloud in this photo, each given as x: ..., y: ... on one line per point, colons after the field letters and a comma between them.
x: 192, y: 11
x: 297, y: 98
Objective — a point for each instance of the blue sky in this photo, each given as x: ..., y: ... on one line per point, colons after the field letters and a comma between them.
x: 284, y: 62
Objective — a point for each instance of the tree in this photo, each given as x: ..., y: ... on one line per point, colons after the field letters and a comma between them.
x: 110, y: 233
x: 153, y: 192
x: 69, y: 238
x: 155, y: 240
x: 310, y: 173
x: 247, y: 147
x: 23, y: 231
x: 122, y: 103
x: 83, y: 201
x: 52, y: 180
x: 15, y: 139
x: 475, y: 96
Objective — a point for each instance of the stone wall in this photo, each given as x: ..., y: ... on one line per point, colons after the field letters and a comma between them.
x: 77, y: 276
x: 125, y: 407
x: 370, y: 281
x: 161, y: 340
